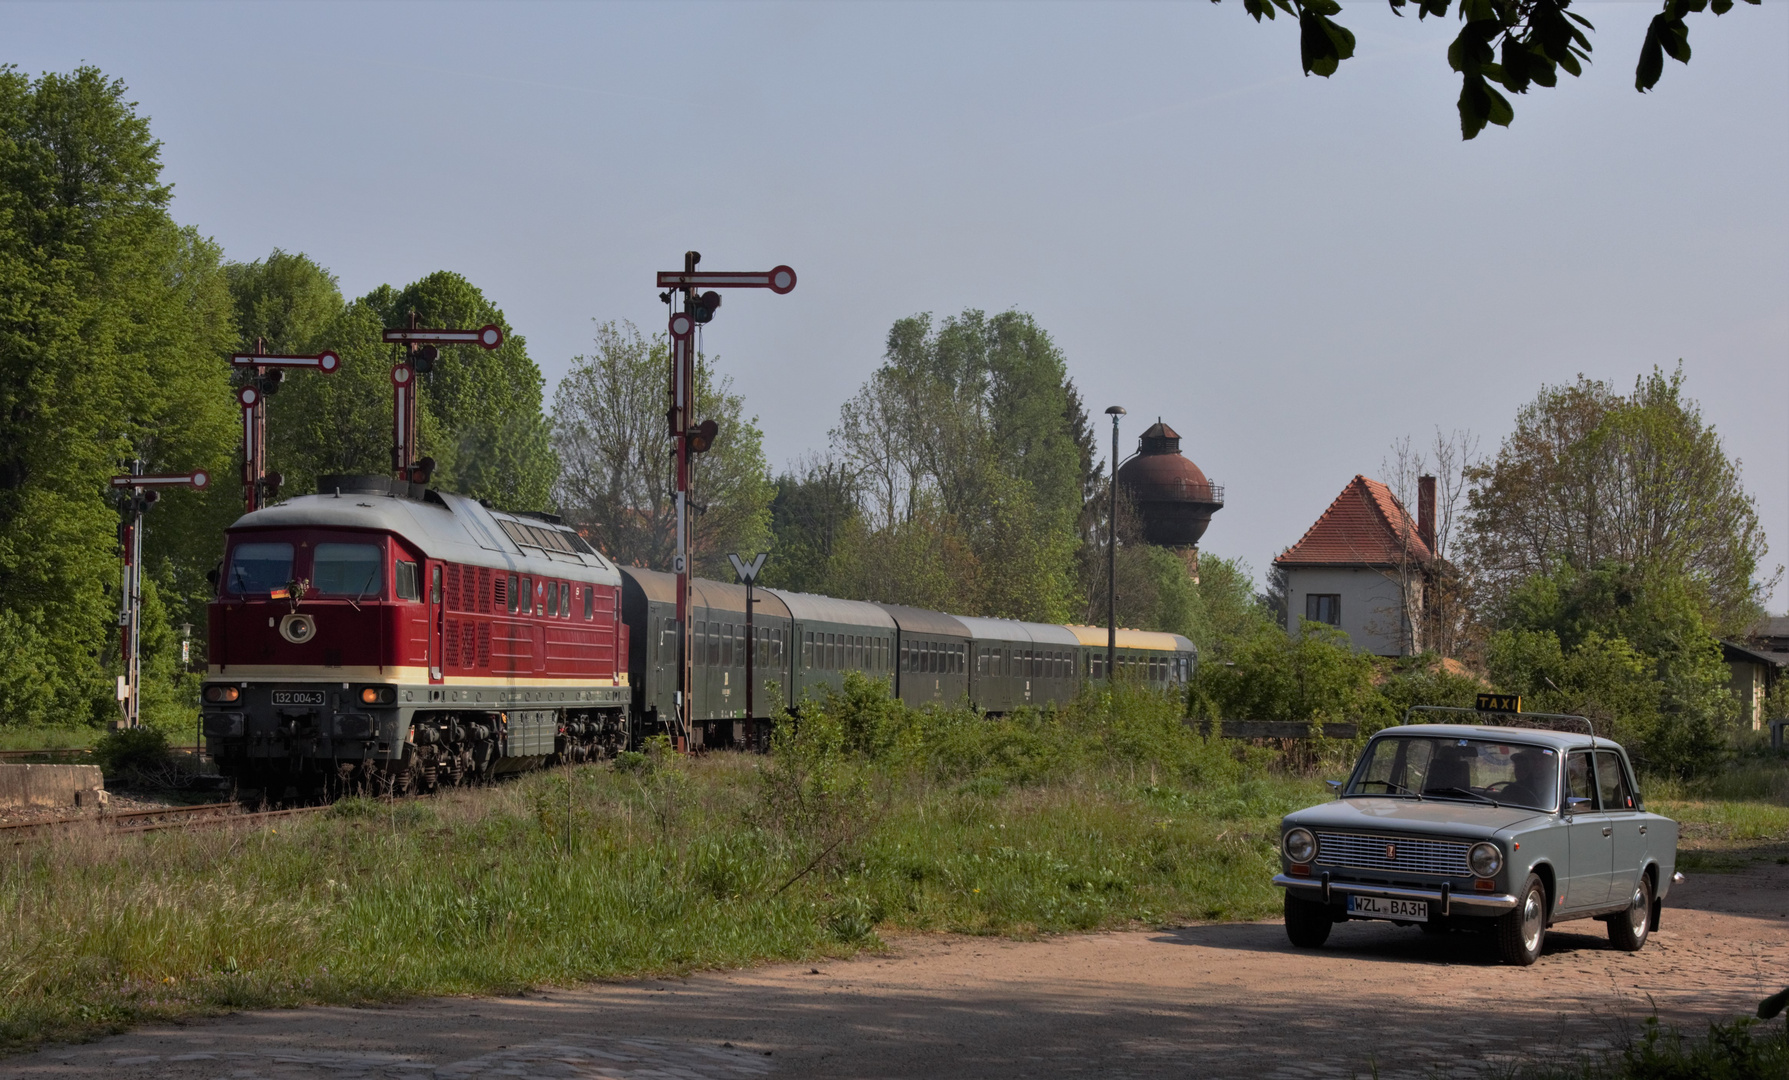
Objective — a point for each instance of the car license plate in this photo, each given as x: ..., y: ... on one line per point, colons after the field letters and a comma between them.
x: 298, y: 697
x: 1385, y: 907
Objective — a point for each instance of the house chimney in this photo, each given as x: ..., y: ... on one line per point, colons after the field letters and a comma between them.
x: 1425, y: 511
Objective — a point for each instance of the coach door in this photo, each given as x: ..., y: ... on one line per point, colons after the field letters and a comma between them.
x: 436, y: 615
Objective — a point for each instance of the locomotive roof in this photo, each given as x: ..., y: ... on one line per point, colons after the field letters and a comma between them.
x: 1013, y: 630
x: 446, y: 526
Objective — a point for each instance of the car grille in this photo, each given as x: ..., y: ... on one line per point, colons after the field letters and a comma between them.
x: 1446, y: 858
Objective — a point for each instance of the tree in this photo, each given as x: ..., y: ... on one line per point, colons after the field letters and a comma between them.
x: 1436, y: 594
x: 617, y: 480
x: 491, y: 439
x: 1626, y: 647
x: 1512, y: 43
x: 114, y: 322
x: 1591, y: 477
x: 814, y: 507
x: 970, y: 425
x: 285, y: 300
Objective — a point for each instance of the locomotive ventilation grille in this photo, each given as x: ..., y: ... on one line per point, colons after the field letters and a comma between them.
x: 1407, y: 853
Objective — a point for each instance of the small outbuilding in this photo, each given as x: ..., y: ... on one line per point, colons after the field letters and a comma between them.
x: 1361, y: 568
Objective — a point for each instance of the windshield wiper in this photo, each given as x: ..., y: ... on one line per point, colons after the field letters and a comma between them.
x: 364, y: 586
x: 1469, y: 793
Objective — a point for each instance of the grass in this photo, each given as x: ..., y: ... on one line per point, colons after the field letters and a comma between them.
x: 1730, y: 820
x: 50, y: 738
x: 867, y: 818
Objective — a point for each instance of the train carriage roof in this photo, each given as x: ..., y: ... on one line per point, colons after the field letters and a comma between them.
x: 914, y: 620
x: 726, y: 596
x: 811, y: 607
x: 1013, y: 630
x: 1095, y: 637
x: 449, y: 527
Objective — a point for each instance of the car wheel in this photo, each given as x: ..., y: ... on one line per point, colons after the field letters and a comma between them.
x: 1628, y: 931
x: 1520, y: 932
x: 1307, y: 922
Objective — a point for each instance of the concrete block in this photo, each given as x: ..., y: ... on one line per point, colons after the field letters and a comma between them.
x: 51, y: 785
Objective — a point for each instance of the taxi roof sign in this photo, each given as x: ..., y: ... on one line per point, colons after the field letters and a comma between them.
x: 1510, y: 703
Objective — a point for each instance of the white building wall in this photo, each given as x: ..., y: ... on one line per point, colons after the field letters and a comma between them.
x: 1372, y: 613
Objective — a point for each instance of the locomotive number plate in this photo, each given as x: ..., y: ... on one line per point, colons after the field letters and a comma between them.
x: 298, y: 697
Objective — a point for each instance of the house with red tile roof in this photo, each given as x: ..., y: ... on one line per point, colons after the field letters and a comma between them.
x: 1361, y: 567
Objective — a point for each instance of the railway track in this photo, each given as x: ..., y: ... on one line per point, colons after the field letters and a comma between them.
x: 165, y: 817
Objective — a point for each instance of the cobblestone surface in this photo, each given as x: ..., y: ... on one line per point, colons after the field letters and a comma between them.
x: 1219, y: 1000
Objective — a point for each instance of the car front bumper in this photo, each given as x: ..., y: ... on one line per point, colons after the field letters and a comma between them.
x: 1442, y: 900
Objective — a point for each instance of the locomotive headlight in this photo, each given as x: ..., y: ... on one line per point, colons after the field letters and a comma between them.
x: 1299, y: 845
x: 221, y: 694
x: 1485, y: 859
x: 374, y: 695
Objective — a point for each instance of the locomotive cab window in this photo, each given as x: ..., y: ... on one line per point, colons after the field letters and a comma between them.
x: 589, y: 603
x: 404, y: 583
x: 356, y: 570
x: 525, y: 595
x: 434, y: 585
x: 259, y: 568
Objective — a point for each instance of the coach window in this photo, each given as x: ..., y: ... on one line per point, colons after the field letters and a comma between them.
x: 404, y: 583
x: 727, y: 652
x: 356, y: 570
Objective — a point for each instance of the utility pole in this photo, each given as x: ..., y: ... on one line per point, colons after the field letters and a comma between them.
x: 1114, y: 412
x: 748, y: 576
x: 259, y: 486
x: 688, y: 437
x: 140, y: 493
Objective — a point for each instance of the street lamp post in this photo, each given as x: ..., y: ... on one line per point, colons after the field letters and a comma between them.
x: 1114, y: 412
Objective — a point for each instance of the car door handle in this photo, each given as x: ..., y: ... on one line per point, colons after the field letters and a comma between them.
x: 1642, y: 830
x: 1607, y: 829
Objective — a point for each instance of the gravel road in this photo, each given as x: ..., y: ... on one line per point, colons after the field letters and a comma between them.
x: 1218, y: 1000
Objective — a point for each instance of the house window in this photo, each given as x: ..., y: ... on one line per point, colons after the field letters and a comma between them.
x: 1323, y: 608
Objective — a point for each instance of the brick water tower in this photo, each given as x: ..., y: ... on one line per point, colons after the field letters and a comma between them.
x: 1172, y: 495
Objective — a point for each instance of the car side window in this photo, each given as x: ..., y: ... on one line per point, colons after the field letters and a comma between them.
x: 1577, y: 777
x: 1611, y: 781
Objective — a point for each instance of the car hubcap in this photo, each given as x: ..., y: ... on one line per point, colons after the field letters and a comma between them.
x: 1637, y: 914
x: 1531, y: 922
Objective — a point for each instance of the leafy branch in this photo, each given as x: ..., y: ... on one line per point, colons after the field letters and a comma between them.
x: 1514, y: 44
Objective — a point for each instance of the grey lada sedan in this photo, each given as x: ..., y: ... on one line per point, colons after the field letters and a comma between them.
x: 1457, y: 826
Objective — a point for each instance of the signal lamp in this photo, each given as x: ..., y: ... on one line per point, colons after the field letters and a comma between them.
x: 703, y: 437
x: 270, y: 484
x: 270, y: 382
x: 220, y: 694
x: 423, y: 359
x: 705, y: 306
x: 373, y: 695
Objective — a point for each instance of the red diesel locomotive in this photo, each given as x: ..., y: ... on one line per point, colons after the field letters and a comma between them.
x: 387, y: 636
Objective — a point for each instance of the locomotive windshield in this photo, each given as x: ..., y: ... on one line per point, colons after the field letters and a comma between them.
x: 348, y: 569
x: 259, y: 568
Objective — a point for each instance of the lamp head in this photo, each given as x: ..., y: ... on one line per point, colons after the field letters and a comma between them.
x: 1115, y: 411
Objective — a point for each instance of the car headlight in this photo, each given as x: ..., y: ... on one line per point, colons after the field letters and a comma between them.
x: 1299, y: 845
x: 1485, y: 859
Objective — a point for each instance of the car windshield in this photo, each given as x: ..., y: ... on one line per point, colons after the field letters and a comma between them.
x: 352, y: 570
x: 259, y: 568
x: 1470, y: 770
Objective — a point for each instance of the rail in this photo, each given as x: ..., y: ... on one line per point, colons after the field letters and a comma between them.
x: 178, y: 817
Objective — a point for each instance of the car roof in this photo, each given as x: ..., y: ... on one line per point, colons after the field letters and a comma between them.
x: 1558, y: 740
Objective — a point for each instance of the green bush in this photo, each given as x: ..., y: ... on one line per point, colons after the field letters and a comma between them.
x: 134, y: 754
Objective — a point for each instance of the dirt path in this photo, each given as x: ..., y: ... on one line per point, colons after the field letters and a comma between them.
x: 1228, y: 1000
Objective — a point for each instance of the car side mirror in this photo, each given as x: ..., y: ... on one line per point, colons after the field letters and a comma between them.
x: 1574, y: 803
x: 1334, y: 785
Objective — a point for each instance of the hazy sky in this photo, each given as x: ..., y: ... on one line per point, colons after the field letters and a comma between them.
x: 1292, y: 271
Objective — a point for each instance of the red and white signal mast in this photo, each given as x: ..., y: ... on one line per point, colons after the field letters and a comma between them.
x: 259, y: 486
x: 421, y: 350
x: 695, y: 438
x: 140, y: 493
